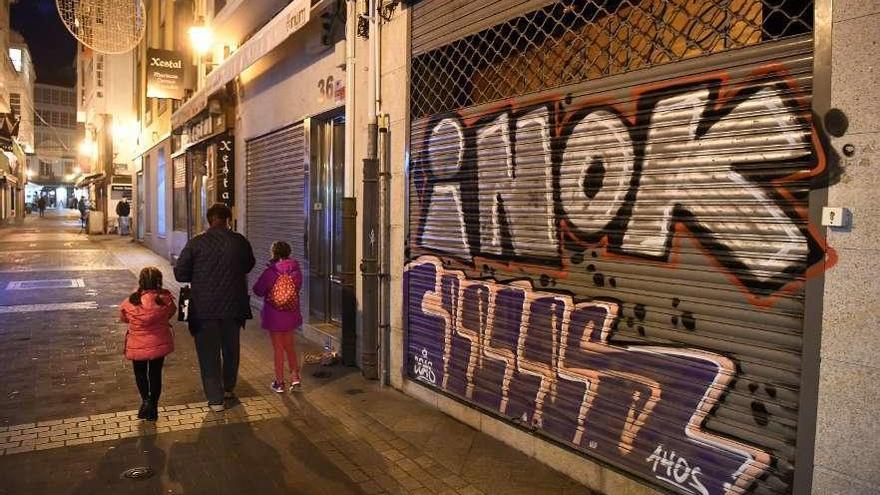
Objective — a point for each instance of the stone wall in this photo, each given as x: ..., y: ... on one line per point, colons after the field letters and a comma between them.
x: 847, y: 454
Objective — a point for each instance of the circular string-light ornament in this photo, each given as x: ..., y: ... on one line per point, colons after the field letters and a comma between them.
x: 106, y: 26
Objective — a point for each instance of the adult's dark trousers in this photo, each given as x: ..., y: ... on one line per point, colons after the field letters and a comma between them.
x: 217, y: 345
x: 148, y: 375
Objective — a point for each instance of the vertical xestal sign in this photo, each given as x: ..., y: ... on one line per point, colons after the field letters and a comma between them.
x: 164, y: 74
x: 226, y: 170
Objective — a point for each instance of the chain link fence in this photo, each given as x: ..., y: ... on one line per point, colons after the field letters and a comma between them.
x: 572, y: 41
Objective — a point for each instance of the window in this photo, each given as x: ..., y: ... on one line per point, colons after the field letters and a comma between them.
x: 139, y: 92
x: 68, y: 167
x: 15, y: 103
x: 15, y: 55
x: 146, y: 193
x: 45, y: 169
x: 179, y: 194
x: 160, y: 193
x: 99, y: 71
x: 162, y: 105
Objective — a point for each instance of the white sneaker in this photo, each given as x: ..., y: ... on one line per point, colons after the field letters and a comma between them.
x: 217, y: 407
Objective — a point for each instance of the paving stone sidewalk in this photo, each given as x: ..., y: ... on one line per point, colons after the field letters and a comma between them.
x: 66, y: 400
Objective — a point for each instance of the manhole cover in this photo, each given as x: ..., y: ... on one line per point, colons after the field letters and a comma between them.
x: 138, y: 473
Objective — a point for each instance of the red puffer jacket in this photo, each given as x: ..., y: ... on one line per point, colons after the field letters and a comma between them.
x: 149, y: 333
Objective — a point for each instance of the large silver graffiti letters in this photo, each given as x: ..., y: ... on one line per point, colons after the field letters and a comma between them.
x: 596, y: 171
x: 691, y: 169
x: 516, y: 188
x: 689, y: 157
x: 446, y: 152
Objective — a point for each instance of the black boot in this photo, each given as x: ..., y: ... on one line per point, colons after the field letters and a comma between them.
x: 152, y: 413
x: 142, y: 412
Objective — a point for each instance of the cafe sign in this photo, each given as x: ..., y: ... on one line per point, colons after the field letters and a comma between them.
x: 164, y: 74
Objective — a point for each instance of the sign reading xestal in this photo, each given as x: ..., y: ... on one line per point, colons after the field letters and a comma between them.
x: 226, y: 170
x: 164, y: 74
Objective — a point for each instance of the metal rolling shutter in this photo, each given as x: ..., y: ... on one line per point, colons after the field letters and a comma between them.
x: 276, y: 179
x: 617, y: 264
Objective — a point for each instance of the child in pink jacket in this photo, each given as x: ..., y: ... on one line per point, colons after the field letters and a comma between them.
x: 149, y: 338
x: 280, y: 322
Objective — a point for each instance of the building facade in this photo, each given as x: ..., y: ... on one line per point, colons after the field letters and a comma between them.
x: 606, y: 233
x: 106, y: 108
x: 16, y: 111
x: 54, y: 167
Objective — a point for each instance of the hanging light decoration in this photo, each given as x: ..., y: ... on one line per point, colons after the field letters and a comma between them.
x: 106, y: 26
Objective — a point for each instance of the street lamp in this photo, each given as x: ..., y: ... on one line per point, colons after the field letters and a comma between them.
x: 202, y: 37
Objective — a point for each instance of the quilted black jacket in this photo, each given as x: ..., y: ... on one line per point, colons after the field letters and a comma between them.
x: 216, y: 264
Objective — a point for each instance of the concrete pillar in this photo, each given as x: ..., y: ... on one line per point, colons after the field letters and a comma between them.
x: 847, y: 453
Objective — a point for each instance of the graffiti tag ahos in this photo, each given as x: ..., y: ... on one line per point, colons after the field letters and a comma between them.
x: 521, y: 183
x: 546, y: 359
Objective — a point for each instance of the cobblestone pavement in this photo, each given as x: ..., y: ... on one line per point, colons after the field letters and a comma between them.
x: 67, y: 424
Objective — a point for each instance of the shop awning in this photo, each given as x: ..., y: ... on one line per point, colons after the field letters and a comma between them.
x: 89, y: 180
x: 291, y: 19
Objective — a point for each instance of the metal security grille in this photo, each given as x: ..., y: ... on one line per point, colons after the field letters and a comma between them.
x: 276, y: 182
x: 607, y: 230
x: 571, y: 41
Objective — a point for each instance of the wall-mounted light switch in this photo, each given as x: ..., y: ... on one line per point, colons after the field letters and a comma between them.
x: 834, y: 217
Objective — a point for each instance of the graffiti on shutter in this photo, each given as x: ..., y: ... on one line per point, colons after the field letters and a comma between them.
x: 623, y: 270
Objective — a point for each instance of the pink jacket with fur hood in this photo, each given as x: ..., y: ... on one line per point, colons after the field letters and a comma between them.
x: 149, y: 333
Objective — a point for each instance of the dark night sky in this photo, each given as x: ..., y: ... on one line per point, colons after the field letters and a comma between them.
x: 52, y: 46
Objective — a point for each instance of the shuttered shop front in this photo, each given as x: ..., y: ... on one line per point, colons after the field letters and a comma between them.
x: 608, y: 234
x: 276, y: 179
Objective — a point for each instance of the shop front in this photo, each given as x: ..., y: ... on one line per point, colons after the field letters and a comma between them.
x: 608, y: 245
x: 204, y: 165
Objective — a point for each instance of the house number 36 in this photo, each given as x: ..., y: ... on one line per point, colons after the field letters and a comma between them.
x: 325, y: 88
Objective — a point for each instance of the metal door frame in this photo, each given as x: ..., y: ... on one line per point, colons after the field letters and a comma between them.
x: 814, y: 288
x: 313, y: 131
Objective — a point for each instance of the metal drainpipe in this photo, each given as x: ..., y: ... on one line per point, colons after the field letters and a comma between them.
x: 370, y: 259
x: 349, y: 220
x: 351, y: 17
x: 384, y: 246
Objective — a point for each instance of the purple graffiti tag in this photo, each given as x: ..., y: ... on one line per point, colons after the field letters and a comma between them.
x: 549, y: 361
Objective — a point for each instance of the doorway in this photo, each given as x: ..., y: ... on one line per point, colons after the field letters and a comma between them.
x: 326, y: 243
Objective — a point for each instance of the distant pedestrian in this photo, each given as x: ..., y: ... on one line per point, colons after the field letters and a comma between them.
x: 83, y: 205
x: 216, y: 263
x: 73, y: 205
x: 149, y: 338
x: 41, y: 205
x: 279, y: 286
x: 123, y: 209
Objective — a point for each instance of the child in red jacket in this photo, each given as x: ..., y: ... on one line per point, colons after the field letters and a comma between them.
x: 149, y: 338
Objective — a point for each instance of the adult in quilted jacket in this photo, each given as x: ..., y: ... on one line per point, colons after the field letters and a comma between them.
x: 216, y: 264
x: 281, y: 322
x: 149, y: 338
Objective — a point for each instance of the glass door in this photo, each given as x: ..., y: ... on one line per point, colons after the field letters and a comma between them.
x: 327, y: 180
